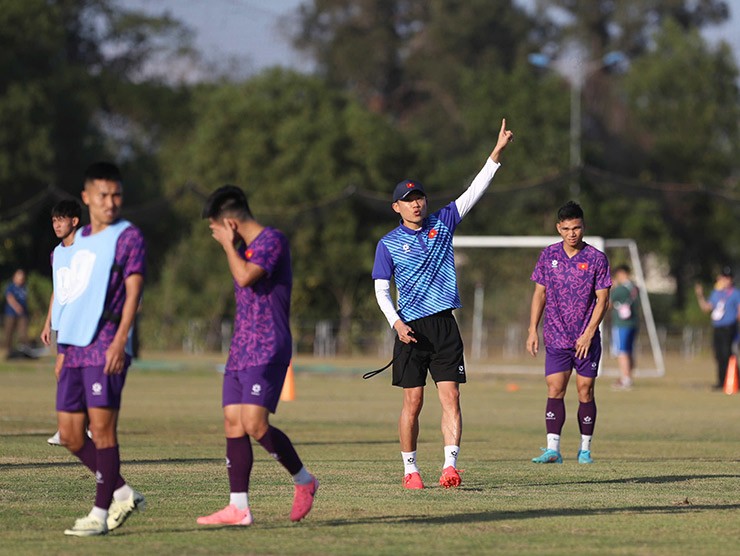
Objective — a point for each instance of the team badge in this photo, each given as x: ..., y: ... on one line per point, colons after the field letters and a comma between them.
x: 582, y: 266
x: 432, y: 233
x: 248, y: 254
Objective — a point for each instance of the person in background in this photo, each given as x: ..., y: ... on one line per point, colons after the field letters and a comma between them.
x: 724, y: 307
x: 16, y: 314
x: 624, y: 298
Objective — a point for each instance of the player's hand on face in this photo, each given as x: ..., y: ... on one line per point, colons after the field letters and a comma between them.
x: 533, y: 343
x: 224, y: 232
x: 405, y: 332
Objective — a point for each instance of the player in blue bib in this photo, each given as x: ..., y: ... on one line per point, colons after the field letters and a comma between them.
x: 418, y: 256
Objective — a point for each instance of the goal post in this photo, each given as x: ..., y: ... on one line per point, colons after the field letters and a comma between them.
x: 464, y: 242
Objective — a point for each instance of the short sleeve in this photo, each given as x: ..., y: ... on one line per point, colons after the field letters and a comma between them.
x: 383, y: 265
x: 131, y: 252
x: 267, y: 251
x: 603, y: 274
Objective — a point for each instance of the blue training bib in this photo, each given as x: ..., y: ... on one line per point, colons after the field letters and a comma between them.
x: 81, y: 273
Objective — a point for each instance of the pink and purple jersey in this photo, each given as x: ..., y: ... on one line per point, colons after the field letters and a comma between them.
x: 261, y: 327
x: 570, y: 291
x: 130, y: 258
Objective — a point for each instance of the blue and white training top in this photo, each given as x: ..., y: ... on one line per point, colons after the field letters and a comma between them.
x: 422, y: 262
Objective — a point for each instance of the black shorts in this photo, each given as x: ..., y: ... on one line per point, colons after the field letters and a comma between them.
x: 438, y: 349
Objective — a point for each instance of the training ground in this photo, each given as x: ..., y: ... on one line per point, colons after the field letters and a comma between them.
x: 666, y: 477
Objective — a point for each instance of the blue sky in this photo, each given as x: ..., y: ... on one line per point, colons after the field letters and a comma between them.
x: 250, y: 30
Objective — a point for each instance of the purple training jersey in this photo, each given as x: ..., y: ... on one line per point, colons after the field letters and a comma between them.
x: 129, y: 259
x: 262, y: 327
x: 570, y: 291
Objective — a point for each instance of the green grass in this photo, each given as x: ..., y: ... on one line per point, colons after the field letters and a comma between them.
x: 666, y: 478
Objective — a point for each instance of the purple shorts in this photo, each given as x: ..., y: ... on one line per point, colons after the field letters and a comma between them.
x: 558, y: 360
x: 82, y: 387
x: 254, y: 386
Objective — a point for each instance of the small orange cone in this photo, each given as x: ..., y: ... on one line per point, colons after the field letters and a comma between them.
x: 288, y: 393
x: 731, y: 378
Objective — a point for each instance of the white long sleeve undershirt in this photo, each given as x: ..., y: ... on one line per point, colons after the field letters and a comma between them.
x: 383, y: 296
x: 477, y: 187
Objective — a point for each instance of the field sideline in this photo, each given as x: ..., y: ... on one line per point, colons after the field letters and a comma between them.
x: 666, y: 478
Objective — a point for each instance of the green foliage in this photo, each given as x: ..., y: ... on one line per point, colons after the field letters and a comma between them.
x: 299, y: 148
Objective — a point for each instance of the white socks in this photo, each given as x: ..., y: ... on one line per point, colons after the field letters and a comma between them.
x: 122, y: 494
x: 451, y: 453
x: 409, y: 462
x: 239, y: 499
x: 409, y: 459
x: 585, y: 442
x: 100, y: 513
x: 553, y: 442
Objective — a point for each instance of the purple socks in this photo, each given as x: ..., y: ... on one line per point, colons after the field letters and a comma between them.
x: 587, y: 417
x: 279, y: 446
x: 239, y: 459
x: 554, y: 415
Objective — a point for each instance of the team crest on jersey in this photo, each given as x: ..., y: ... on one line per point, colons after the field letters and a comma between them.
x: 432, y: 234
x: 248, y: 254
x: 582, y: 266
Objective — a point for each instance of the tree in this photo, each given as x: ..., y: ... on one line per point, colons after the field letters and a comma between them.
x: 686, y: 115
x: 73, y: 73
x: 300, y: 150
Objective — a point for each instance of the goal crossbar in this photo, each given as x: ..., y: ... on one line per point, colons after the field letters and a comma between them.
x: 601, y: 244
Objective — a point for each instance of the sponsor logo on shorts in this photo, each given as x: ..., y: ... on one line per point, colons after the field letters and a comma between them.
x: 461, y: 370
x: 256, y: 389
x: 97, y: 389
x: 594, y: 365
x: 554, y: 263
x: 550, y: 416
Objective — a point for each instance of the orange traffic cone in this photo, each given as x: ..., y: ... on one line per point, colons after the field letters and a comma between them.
x: 731, y: 378
x: 288, y: 393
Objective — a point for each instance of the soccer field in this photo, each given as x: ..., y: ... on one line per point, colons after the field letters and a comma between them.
x: 666, y: 477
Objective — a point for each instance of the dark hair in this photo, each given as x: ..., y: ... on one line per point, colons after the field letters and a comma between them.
x: 570, y: 211
x: 623, y: 268
x: 67, y: 208
x: 103, y: 171
x: 227, y: 200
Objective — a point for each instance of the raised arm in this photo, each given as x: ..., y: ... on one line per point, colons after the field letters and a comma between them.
x: 480, y: 183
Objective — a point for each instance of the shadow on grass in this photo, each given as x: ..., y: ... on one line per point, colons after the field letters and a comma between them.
x: 492, y: 516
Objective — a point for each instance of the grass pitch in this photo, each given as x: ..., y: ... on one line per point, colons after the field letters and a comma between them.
x: 666, y: 477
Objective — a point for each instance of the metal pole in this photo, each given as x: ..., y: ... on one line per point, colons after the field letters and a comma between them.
x: 575, y: 134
